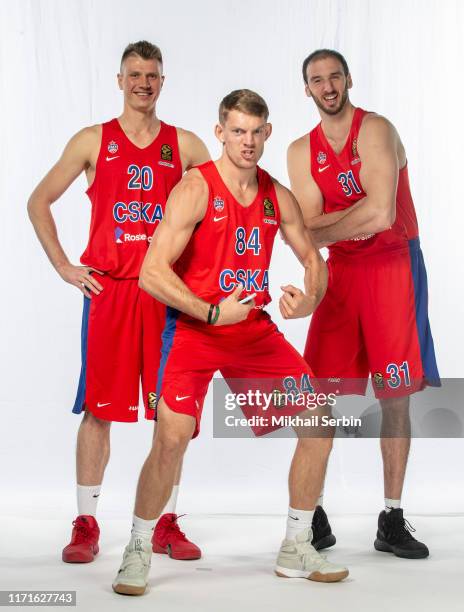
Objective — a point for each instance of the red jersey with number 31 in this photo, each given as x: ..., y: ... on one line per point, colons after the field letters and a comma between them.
x: 233, y: 243
x: 128, y: 197
x: 337, y: 176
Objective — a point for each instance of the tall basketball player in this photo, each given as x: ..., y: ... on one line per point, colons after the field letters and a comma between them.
x: 211, y: 251
x: 131, y: 164
x: 350, y: 177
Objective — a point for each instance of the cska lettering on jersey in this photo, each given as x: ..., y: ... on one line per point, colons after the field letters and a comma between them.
x: 137, y: 211
x: 252, y: 280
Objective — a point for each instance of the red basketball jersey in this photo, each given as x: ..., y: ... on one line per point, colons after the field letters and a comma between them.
x: 232, y: 244
x: 337, y: 176
x: 128, y: 197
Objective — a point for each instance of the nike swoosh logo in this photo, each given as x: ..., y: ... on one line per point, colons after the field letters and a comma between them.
x: 182, y: 398
x: 295, y: 518
x: 320, y: 169
x: 111, y: 158
x: 220, y: 218
x: 96, y: 495
x: 101, y: 405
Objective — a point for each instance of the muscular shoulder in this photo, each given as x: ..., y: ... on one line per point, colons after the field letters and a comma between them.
x: 186, y: 136
x: 284, y: 196
x: 192, y: 149
x: 375, y: 127
x: 299, y: 147
x: 86, y: 142
x: 192, y: 185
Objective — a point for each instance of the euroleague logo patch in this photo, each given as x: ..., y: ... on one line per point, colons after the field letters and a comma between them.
x: 321, y: 158
x: 152, y: 400
x: 112, y: 147
x: 166, y: 152
x: 269, y: 210
x: 218, y: 204
x: 378, y: 380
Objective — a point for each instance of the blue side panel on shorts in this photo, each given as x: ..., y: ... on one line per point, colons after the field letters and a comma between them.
x: 80, y: 397
x: 419, y: 275
x: 167, y: 338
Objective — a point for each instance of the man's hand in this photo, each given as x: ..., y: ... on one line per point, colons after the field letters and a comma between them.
x: 231, y: 311
x: 294, y: 304
x: 81, y: 277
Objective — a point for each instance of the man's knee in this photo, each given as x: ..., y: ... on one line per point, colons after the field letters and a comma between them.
x: 322, y: 446
x: 395, y: 406
x: 90, y: 421
x: 170, y: 445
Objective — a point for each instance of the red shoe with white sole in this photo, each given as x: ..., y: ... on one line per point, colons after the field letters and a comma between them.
x: 168, y: 539
x: 84, y: 541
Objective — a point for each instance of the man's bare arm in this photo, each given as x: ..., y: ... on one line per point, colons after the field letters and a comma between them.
x: 76, y: 157
x: 294, y: 303
x: 186, y: 206
x: 377, y: 147
x: 305, y: 189
x: 192, y: 149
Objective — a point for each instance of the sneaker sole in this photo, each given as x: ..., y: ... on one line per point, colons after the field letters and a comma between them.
x: 127, y: 589
x: 283, y: 572
x: 178, y: 557
x: 325, y: 542
x: 382, y: 546
x: 77, y: 557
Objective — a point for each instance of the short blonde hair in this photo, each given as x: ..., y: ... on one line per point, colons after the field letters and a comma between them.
x: 245, y: 101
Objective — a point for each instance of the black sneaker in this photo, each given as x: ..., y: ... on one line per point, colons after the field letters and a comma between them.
x: 394, y: 535
x: 322, y: 533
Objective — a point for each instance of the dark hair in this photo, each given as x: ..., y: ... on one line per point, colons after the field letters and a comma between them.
x: 245, y: 101
x: 323, y: 54
x: 143, y: 49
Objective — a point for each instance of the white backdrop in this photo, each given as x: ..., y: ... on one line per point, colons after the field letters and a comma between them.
x: 57, y: 74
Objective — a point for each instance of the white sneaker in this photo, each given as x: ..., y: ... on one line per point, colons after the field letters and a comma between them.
x: 299, y: 559
x: 132, y: 577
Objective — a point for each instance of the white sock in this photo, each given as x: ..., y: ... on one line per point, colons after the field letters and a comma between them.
x: 87, y: 499
x: 320, y: 499
x: 391, y: 504
x: 142, y: 532
x: 298, y: 521
x: 170, y: 507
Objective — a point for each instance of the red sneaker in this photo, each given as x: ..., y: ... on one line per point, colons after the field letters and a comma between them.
x: 84, y: 541
x: 168, y: 539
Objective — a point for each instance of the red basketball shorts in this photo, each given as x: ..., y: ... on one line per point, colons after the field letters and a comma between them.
x: 252, y: 355
x: 121, y: 345
x: 373, y: 320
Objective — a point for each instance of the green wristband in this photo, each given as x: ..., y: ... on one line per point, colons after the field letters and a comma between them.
x: 216, y: 315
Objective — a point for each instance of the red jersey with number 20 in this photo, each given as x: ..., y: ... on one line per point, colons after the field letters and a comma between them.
x: 233, y: 243
x: 128, y: 197
x: 337, y: 176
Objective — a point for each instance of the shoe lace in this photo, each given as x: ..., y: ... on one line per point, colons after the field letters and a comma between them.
x: 312, y: 555
x: 174, y: 529
x: 401, y: 530
x: 131, y: 563
x: 82, y: 531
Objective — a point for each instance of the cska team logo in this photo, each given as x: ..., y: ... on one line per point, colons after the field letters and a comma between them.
x: 218, y: 204
x: 112, y: 147
x: 321, y: 158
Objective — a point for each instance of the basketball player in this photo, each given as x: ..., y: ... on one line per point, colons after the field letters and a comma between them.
x: 131, y: 164
x: 211, y: 251
x: 350, y: 177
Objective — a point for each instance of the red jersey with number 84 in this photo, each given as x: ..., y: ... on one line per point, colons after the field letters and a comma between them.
x: 233, y: 243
